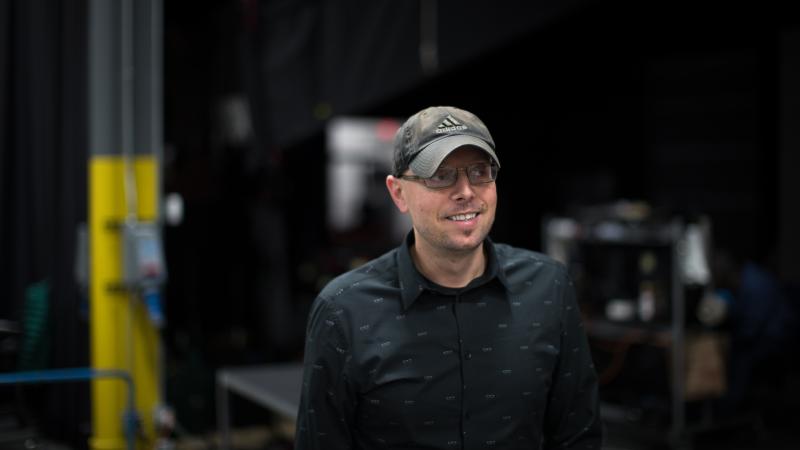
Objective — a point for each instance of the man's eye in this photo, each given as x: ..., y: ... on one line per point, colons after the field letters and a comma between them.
x: 440, y: 176
x: 480, y: 170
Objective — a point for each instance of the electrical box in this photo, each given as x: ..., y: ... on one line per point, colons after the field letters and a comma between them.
x: 143, y: 257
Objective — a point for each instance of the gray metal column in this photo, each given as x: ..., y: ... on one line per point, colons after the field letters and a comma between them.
x: 124, y: 186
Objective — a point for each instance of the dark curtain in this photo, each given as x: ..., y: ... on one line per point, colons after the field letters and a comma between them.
x: 43, y: 160
x: 314, y: 59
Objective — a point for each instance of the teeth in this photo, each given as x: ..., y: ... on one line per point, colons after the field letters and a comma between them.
x: 461, y: 217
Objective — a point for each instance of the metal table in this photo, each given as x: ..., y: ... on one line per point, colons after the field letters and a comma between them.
x: 273, y: 386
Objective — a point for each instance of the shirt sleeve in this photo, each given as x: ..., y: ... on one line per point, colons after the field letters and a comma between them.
x: 573, y: 412
x: 327, y: 402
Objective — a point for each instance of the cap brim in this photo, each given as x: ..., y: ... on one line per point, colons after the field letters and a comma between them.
x: 428, y: 160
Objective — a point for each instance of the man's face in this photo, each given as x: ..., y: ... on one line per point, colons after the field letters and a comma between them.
x: 454, y: 219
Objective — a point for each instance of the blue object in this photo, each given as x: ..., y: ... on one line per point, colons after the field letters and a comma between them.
x: 130, y: 420
x: 152, y: 300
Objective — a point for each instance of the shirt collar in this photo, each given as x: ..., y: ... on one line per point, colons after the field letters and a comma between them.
x: 412, y: 282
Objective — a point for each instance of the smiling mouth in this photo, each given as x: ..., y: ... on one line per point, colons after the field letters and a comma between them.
x: 462, y: 217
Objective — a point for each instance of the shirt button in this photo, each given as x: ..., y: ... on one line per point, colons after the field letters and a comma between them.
x: 468, y: 355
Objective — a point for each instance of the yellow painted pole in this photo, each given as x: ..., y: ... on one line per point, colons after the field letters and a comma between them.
x: 110, y: 307
x: 146, y: 369
x: 124, y: 144
x: 122, y: 336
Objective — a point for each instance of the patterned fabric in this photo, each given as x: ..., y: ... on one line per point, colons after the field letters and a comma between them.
x: 394, y: 361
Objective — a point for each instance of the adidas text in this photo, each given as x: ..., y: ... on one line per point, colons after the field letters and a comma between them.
x: 449, y: 129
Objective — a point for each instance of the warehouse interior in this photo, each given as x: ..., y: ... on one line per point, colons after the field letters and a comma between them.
x: 619, y: 118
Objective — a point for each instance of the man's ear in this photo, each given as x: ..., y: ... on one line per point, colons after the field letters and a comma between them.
x: 395, y: 187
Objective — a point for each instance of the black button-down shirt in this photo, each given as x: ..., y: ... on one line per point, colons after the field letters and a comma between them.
x: 394, y: 361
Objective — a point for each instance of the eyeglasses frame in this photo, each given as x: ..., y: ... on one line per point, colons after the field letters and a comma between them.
x: 494, y: 169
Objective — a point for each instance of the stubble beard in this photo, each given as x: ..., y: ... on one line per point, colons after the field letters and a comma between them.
x: 441, y: 241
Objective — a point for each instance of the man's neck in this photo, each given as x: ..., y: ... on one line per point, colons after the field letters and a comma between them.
x: 449, y: 269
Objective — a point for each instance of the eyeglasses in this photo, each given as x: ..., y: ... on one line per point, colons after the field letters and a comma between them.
x: 481, y: 173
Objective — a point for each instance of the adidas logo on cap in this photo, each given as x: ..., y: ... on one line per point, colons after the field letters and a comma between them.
x: 450, y: 124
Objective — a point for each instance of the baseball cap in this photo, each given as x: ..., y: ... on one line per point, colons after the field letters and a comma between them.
x: 427, y: 137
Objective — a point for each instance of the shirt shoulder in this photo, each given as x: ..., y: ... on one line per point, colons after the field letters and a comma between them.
x: 508, y: 255
x: 374, y: 276
x: 521, y: 265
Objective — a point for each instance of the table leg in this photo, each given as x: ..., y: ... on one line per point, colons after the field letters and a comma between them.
x: 223, y: 413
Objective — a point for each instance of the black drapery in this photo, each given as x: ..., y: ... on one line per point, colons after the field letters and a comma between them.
x: 315, y: 59
x: 43, y: 160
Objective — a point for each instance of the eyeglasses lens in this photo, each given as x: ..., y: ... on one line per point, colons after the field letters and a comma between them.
x: 477, y: 174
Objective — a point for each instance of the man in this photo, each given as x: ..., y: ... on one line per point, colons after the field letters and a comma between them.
x: 449, y: 341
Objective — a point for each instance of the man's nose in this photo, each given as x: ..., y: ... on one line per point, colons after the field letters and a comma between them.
x: 462, y: 188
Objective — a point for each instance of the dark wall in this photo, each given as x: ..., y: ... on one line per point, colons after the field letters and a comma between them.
x: 43, y: 158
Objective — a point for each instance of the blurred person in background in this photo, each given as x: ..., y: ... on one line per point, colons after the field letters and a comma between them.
x: 450, y: 340
x: 761, y: 318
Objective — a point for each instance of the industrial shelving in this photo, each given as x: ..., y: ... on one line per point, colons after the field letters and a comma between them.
x: 597, y: 249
